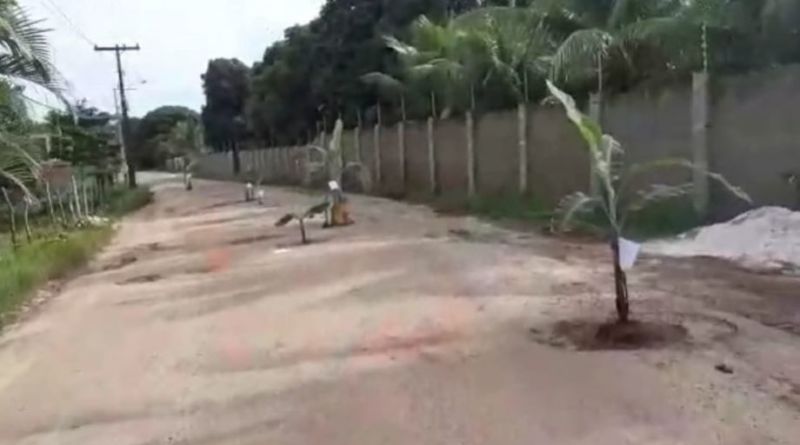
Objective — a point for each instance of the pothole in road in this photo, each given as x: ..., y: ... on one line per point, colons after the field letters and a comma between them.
x: 142, y: 279
x: 251, y: 240
x: 120, y: 262
x: 592, y: 335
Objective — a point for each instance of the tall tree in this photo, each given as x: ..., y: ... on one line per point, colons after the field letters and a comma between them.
x: 226, y: 83
x: 154, y: 129
x: 313, y: 76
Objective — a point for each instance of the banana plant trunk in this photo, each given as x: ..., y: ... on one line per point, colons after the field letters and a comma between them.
x: 401, y: 142
x: 522, y: 140
x: 302, y: 230
x: 471, y: 188
x: 620, y: 284
x: 377, y: 147
x: 237, y: 162
x: 432, y: 145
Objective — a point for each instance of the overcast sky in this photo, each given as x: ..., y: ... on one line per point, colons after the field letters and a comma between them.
x: 177, y: 38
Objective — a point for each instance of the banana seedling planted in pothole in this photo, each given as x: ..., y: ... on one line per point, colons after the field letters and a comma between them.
x: 302, y: 217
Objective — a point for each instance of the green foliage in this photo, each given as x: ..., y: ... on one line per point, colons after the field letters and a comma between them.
x: 313, y: 75
x: 84, y: 137
x: 666, y: 217
x: 18, y: 161
x: 13, y: 110
x: 159, y: 135
x: 25, y: 51
x: 122, y: 200
x: 512, y: 207
x: 462, y: 57
x: 42, y: 260
x: 226, y: 83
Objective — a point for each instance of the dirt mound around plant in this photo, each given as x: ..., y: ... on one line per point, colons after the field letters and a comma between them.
x: 120, y: 262
x: 764, y: 239
x: 594, y: 335
x: 150, y: 278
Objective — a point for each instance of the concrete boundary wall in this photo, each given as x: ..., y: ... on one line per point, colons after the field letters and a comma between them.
x: 741, y: 126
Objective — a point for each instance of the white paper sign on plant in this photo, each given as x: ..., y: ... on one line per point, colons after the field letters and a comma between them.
x: 333, y: 185
x: 628, y: 253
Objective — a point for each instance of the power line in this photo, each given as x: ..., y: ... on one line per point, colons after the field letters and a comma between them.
x: 54, y: 9
x: 69, y: 21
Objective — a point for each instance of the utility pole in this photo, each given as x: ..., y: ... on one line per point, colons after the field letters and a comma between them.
x: 118, y: 50
x: 122, y: 148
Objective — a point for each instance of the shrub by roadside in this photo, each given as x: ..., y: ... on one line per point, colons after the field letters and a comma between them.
x: 43, y: 260
x: 123, y: 200
x: 53, y: 255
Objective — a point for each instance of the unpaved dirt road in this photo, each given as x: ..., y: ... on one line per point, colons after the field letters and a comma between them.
x: 203, y: 324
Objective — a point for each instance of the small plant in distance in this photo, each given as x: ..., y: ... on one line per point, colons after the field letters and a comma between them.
x: 301, y: 218
x: 616, y: 197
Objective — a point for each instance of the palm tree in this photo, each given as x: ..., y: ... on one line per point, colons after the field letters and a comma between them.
x: 746, y: 33
x: 518, y: 49
x: 24, y: 50
x: 389, y: 87
x: 518, y: 45
x: 18, y: 164
x: 455, y: 60
x: 617, y: 199
x: 24, y: 57
x: 452, y: 58
x: 599, y: 35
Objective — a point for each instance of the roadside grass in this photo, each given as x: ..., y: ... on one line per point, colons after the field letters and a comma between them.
x: 122, y: 200
x: 55, y: 253
x: 511, y: 207
x: 43, y: 260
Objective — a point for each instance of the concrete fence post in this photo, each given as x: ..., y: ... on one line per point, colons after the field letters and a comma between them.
x: 470, y: 155
x: 265, y: 163
x: 700, y: 122
x: 596, y: 113
x: 377, y: 154
x: 432, y: 156
x: 231, y: 174
x: 256, y: 164
x: 274, y: 169
x: 285, y: 167
x: 259, y: 163
x: 522, y: 138
x: 273, y: 164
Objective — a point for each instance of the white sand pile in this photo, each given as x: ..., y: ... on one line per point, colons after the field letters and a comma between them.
x: 764, y: 238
